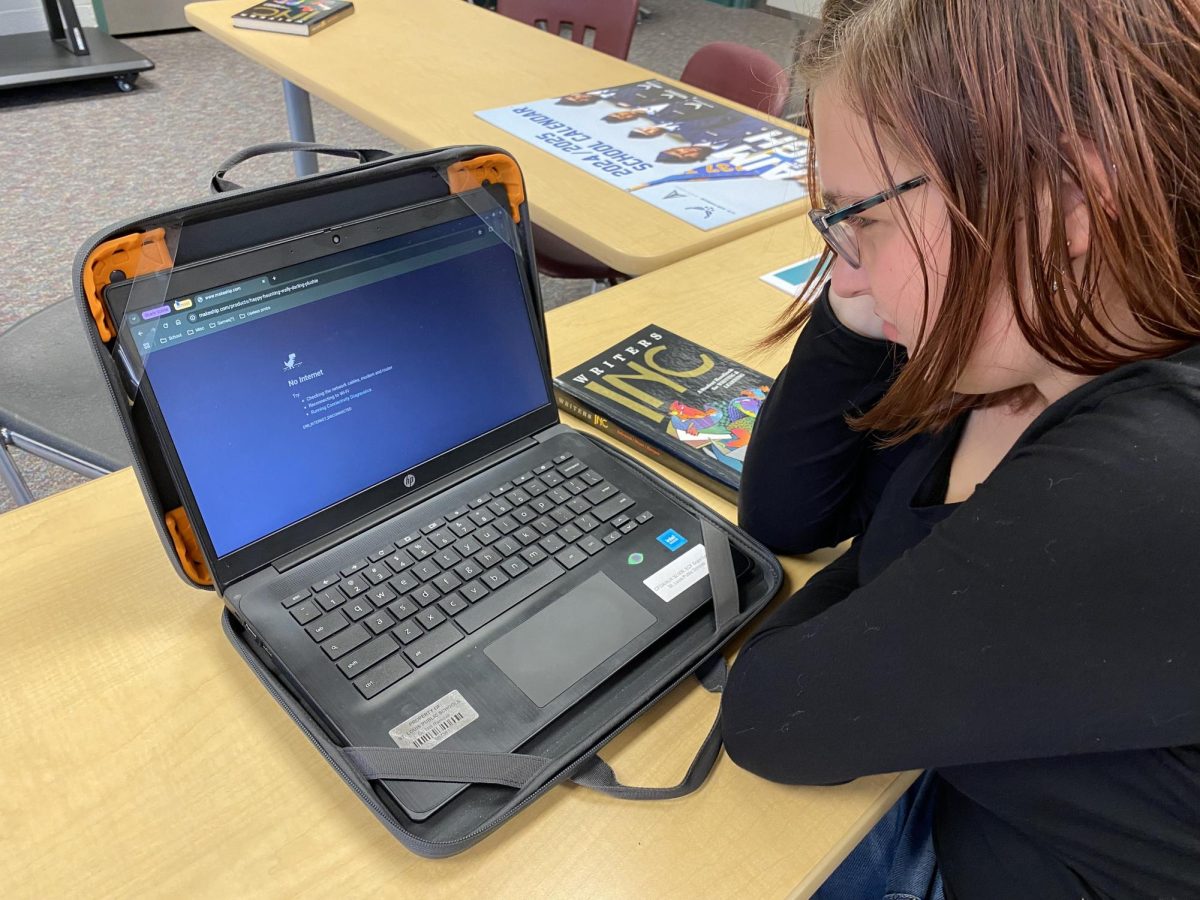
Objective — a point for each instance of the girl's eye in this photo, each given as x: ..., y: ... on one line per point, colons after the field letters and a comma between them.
x: 857, y: 222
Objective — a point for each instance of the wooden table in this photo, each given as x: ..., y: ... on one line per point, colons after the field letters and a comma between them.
x: 418, y: 71
x: 139, y: 756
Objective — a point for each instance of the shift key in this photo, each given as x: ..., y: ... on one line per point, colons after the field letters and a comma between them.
x: 611, y: 507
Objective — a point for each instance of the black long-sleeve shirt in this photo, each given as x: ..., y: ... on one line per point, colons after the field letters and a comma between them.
x: 1037, y: 646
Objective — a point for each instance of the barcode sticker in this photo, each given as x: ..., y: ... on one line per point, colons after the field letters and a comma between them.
x: 435, y: 723
x: 680, y: 574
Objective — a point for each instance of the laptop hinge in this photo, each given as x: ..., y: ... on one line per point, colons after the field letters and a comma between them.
x: 370, y: 520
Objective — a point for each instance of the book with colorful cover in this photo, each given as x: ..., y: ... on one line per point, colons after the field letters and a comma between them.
x: 303, y: 17
x: 690, y: 156
x: 686, y: 406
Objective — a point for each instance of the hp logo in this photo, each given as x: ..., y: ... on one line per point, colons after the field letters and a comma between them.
x: 409, y: 480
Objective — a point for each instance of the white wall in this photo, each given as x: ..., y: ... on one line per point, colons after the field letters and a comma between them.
x: 17, y: 16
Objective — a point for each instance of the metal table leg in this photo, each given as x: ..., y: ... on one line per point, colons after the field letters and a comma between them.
x: 300, y: 125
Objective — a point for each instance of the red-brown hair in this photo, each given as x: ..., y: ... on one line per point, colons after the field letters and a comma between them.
x: 998, y: 101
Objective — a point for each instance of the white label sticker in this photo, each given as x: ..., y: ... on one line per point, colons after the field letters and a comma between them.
x: 436, y: 722
x: 679, y: 574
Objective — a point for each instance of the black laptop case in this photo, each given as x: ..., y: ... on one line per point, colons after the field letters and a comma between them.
x: 501, y: 784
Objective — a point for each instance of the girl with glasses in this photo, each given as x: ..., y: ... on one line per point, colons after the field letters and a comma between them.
x: 995, y: 398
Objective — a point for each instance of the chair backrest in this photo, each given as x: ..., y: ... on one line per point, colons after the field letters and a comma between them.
x: 610, y: 22
x: 739, y: 73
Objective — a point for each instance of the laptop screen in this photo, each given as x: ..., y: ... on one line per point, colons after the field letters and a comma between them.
x: 290, y: 390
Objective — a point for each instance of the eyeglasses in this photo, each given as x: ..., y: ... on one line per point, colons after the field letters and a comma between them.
x: 839, y: 234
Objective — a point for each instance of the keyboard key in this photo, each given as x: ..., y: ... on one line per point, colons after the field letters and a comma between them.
x: 382, y: 595
x: 462, y: 527
x: 367, y: 655
x: 507, y: 546
x: 611, y: 507
x: 379, y: 622
x: 399, y: 561
x: 499, y: 602
x: 447, y: 559
x: 407, y: 539
x: 468, y: 546
x: 291, y: 601
x: 430, y: 618
x: 592, y: 545
x: 505, y: 524
x: 473, y: 590
x: 468, y: 569
x: 545, y: 524
x: 408, y: 631
x: 377, y: 573
x: 452, y: 604
x: 644, y: 517
x: 494, y: 578
x: 326, y: 626
x: 525, y: 514
x: 627, y: 527
x: 578, y: 505
x: 354, y: 567
x: 600, y: 492
x: 458, y: 513
x: 383, y: 553
x: 443, y: 537
x: 587, y: 522
x: 354, y: 585
x: 422, y: 650
x: 420, y: 549
x: 425, y: 594
x: 550, y: 479
x: 562, y: 515
x: 330, y: 598
x: 562, y: 458
x: 570, y: 533
x: 481, y: 517
x: 324, y: 583
x: 535, y: 488
x: 570, y: 557
x: 500, y: 506
x: 618, y: 521
x: 526, y: 535
x: 479, y: 501
x: 403, y: 608
x: 358, y: 609
x: 544, y: 467
x: 427, y: 569
x: 382, y: 676
x: 542, y: 505
x: 502, y: 489
x: 571, y: 469
x: 552, y: 543
x: 515, y: 566
x: 346, y: 640
x: 612, y: 536
x: 534, y: 555
x: 446, y: 582
x: 487, y: 534
x: 488, y: 557
x: 591, y: 477
x: 404, y: 582
x: 521, y: 479
x: 516, y: 497
x: 432, y: 526
x: 575, y: 486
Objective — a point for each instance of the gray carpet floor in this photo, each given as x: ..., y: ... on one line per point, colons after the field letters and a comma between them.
x: 76, y: 157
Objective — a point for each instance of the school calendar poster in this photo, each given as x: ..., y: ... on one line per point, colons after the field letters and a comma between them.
x: 690, y: 156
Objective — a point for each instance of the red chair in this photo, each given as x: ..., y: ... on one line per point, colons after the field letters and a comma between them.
x: 739, y: 73
x: 611, y: 22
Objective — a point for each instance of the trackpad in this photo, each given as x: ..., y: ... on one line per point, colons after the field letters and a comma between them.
x: 553, y: 649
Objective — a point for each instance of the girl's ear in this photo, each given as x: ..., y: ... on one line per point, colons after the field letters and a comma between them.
x: 1077, y: 216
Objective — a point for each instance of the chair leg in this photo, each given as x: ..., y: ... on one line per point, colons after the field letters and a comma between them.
x: 11, y: 475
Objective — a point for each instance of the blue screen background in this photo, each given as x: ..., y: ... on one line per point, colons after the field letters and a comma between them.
x: 456, y: 335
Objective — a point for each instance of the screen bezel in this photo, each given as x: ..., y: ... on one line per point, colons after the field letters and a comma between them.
x: 215, y: 273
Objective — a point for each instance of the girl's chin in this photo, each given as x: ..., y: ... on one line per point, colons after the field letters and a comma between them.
x: 890, y: 332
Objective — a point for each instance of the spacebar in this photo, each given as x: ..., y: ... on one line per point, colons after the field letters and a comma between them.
x: 479, y: 614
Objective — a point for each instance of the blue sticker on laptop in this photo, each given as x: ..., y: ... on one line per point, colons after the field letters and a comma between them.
x: 672, y: 539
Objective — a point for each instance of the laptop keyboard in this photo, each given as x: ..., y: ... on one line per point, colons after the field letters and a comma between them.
x: 381, y: 617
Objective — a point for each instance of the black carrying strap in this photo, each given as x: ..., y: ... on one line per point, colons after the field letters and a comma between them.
x: 220, y: 184
x: 520, y: 770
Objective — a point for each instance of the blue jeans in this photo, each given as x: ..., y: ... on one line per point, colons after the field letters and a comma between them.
x: 895, y: 861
